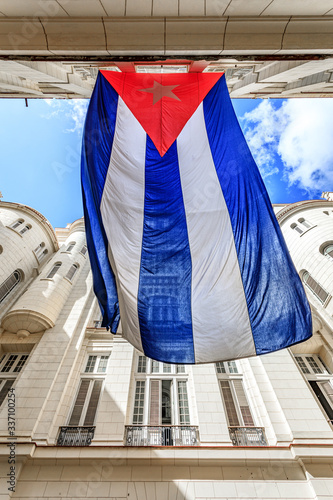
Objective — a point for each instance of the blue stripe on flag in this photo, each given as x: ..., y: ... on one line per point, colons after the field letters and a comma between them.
x: 96, y: 151
x: 164, y: 295
x: 278, y: 309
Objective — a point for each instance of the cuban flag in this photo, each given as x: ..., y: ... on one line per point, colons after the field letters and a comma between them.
x: 183, y: 241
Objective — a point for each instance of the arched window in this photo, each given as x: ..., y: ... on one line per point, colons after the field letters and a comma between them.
x: 315, y: 287
x: 328, y: 251
x: 70, y: 246
x: 296, y: 228
x: 54, y: 270
x: 305, y: 223
x: 71, y: 273
x: 83, y: 250
x: 11, y: 282
x: 25, y: 228
x: 39, y: 250
x: 16, y: 224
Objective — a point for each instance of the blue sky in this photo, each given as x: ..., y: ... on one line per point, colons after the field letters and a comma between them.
x: 292, y: 142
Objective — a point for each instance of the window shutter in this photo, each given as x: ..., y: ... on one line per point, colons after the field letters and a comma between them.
x: 79, y: 403
x: 71, y: 272
x: 154, y: 406
x: 7, y: 286
x: 243, y: 404
x: 328, y: 390
x: 229, y: 403
x: 315, y: 287
x: 5, y: 388
x: 54, y: 270
x: 93, y: 402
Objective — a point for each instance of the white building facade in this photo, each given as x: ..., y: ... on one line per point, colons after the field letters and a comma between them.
x: 87, y: 416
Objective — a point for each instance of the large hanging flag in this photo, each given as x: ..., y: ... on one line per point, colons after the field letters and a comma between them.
x: 182, y: 238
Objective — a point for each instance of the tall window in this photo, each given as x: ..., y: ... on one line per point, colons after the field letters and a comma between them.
x: 70, y: 247
x: 296, y: 228
x: 10, y: 366
x: 72, y: 271
x: 25, y: 228
x: 321, y: 294
x: 305, y: 223
x: 320, y: 379
x: 17, y: 224
x: 161, y: 396
x: 54, y: 270
x: 328, y: 251
x: 236, y: 405
x: 84, y: 250
x: 9, y: 284
x: 41, y: 251
x: 90, y: 388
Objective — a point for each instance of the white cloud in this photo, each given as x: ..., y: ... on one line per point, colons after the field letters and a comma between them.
x: 301, y: 133
x: 74, y: 109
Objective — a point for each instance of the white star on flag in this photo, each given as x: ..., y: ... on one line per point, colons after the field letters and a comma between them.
x: 160, y: 91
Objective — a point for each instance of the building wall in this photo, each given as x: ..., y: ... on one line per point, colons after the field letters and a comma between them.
x: 295, y: 463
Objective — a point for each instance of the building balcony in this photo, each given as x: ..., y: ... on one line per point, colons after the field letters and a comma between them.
x: 75, y: 436
x: 248, y: 436
x: 161, y: 435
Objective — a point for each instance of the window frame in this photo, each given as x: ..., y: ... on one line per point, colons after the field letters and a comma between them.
x: 70, y: 275
x: 325, y: 373
x: 11, y: 374
x: 160, y: 375
x: 92, y: 377
x: 318, y: 378
x: 58, y: 266
x: 232, y: 376
x: 17, y: 282
x: 307, y: 275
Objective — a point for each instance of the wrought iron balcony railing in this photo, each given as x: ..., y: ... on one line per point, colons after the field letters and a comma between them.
x: 248, y: 436
x: 161, y: 435
x: 75, y: 436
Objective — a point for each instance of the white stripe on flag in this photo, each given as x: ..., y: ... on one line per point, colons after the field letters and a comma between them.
x: 122, y: 209
x: 221, y: 325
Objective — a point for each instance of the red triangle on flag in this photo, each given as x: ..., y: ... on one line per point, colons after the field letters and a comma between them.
x: 162, y: 103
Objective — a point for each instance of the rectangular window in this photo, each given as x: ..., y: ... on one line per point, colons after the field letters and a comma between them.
x: 229, y: 403
x: 85, y: 406
x: 13, y: 362
x: 180, y: 368
x: 235, y: 401
x: 21, y: 363
x: 313, y: 365
x: 9, y: 363
x: 166, y: 368
x: 5, y: 385
x: 139, y: 402
x: 90, y: 364
x: 96, y: 363
x: 220, y: 367
x: 232, y: 367
x: 142, y: 364
x: 155, y: 366
x: 154, y: 403
x: 184, y: 412
x: 103, y: 362
x: 302, y: 364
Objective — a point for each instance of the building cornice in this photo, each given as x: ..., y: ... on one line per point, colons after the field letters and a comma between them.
x: 37, y: 216
x: 293, y: 208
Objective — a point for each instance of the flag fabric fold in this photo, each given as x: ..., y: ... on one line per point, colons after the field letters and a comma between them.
x: 183, y: 241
